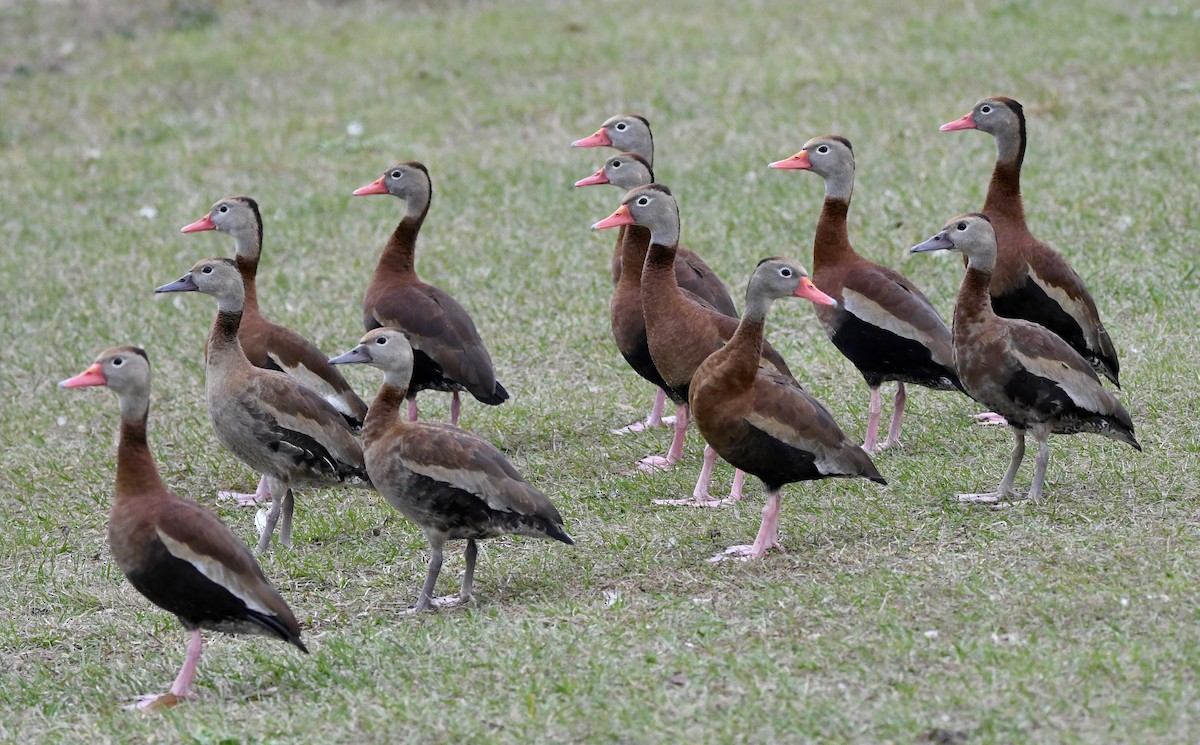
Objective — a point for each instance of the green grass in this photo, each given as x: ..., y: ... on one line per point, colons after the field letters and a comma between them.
x: 895, y: 616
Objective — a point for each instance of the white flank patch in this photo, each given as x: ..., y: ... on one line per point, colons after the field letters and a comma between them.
x: 469, y: 480
x: 214, y: 570
x: 1076, y: 310
x: 1080, y: 387
x: 873, y: 313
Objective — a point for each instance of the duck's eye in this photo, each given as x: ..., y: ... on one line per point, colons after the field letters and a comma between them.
x: 381, y: 341
x: 207, y: 270
x: 118, y: 361
x: 397, y: 174
x: 823, y: 149
x: 985, y: 109
x: 616, y: 164
x: 643, y: 201
x: 785, y: 272
x: 961, y: 226
x: 621, y: 126
x: 223, y: 209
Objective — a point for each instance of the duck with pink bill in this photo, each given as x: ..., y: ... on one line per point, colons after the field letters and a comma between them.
x: 763, y: 422
x: 177, y: 554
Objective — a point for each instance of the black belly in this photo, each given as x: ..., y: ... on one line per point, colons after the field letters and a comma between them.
x: 881, y: 355
x: 637, y: 355
x: 1029, y: 302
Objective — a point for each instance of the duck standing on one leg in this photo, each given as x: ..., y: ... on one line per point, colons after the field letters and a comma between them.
x: 1025, y: 372
x: 175, y: 552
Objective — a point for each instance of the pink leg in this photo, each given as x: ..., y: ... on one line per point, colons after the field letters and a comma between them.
x: 656, y: 462
x: 654, y: 419
x: 893, y: 437
x: 183, y: 681
x: 455, y: 408
x: 412, y: 409
x: 261, y: 495
x: 767, y: 538
x: 700, y: 495
x: 735, y: 491
x: 875, y: 410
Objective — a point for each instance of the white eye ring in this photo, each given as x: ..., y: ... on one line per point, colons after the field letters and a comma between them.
x: 823, y: 149
x: 643, y: 201
x: 223, y: 208
x: 961, y: 226
x: 118, y: 361
x: 985, y: 109
x: 397, y: 173
x: 621, y: 126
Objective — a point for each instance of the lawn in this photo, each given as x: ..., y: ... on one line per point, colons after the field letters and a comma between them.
x: 896, y: 615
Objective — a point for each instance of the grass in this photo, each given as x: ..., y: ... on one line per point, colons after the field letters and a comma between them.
x: 895, y: 616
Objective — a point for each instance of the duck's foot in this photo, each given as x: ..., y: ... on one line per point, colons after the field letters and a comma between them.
x: 666, y: 421
x: 746, y: 553
x: 155, y: 702
x: 655, y: 463
x: 994, y: 498
x: 990, y: 419
x: 449, y: 601
x: 695, y: 501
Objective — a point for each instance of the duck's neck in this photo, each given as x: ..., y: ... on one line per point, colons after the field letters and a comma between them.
x: 739, y: 359
x: 1004, y: 190
x: 832, y: 241
x: 385, y: 411
x: 137, y: 474
x: 658, y: 270
x: 974, y: 302
x: 223, y: 345
x: 399, y: 254
x: 247, y: 246
x: 634, y: 244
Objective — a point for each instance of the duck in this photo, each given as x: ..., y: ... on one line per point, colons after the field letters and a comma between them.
x: 177, y: 554
x: 680, y: 332
x: 450, y: 355
x: 1031, y: 281
x: 882, y: 322
x: 269, y: 345
x: 1027, y: 373
x: 762, y: 422
x: 450, y: 482
x: 628, y: 171
x: 269, y: 420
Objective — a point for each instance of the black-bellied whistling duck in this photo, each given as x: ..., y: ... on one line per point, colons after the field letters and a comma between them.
x: 450, y: 482
x: 449, y: 354
x: 763, y: 422
x: 175, y: 552
x: 1031, y: 281
x: 628, y: 171
x: 680, y: 331
x: 276, y: 425
x: 1026, y: 373
x: 269, y: 345
x: 882, y: 323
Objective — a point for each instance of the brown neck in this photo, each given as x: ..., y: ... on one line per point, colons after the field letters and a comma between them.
x: 974, y: 303
x: 248, y: 268
x: 832, y: 240
x: 384, y: 412
x: 1004, y: 192
x: 738, y: 360
x: 634, y: 243
x: 137, y: 475
x: 398, y: 254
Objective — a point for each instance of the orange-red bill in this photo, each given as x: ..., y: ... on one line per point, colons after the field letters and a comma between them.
x: 375, y: 187
x: 91, y: 376
x: 807, y: 290
x: 964, y: 122
x: 204, y: 223
x: 616, y: 219
x: 596, y: 178
x: 799, y: 161
x: 599, y: 139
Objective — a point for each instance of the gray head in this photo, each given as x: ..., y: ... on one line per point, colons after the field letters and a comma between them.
x: 237, y: 217
x: 218, y: 277
x: 1002, y: 118
x: 624, y: 170
x: 779, y: 277
x: 831, y: 157
x: 970, y: 234
x: 651, y: 206
x: 124, y: 369
x: 626, y: 132
x: 409, y: 181
x: 386, y: 348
